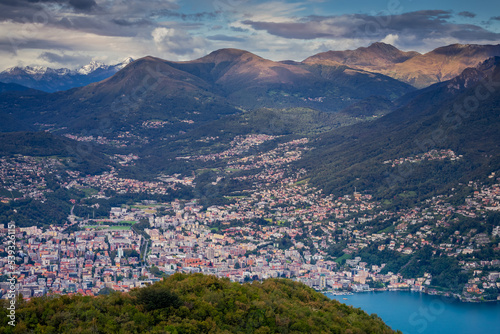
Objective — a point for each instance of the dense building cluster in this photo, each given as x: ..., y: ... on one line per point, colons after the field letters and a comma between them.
x: 281, y: 227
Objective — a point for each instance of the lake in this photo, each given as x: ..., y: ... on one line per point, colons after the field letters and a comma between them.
x: 416, y: 313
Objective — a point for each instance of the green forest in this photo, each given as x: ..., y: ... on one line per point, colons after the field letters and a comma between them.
x: 194, y: 303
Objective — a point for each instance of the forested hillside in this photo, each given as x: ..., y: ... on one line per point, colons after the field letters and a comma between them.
x: 195, y: 304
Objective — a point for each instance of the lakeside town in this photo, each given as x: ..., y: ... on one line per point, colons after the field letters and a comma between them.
x: 280, y: 227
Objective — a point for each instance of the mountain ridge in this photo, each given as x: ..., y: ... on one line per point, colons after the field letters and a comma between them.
x: 51, y: 80
x: 437, y: 117
x: 419, y: 70
x: 186, y: 93
x: 366, y: 58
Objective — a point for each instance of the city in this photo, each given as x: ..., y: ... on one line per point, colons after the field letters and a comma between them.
x: 280, y: 228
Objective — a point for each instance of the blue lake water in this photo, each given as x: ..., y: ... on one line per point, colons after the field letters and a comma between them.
x: 416, y: 313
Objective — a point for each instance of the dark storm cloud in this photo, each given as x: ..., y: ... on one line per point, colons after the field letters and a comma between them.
x: 28, y: 10
x: 113, y: 18
x: 418, y: 25
x: 226, y: 38
x: 467, y: 14
x: 18, y: 11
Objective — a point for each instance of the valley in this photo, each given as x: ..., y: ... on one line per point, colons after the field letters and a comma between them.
x: 130, y: 185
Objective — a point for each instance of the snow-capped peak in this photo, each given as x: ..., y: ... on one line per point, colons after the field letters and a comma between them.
x: 87, y: 69
x: 31, y: 70
x: 124, y: 63
x: 36, y: 69
x: 52, y: 80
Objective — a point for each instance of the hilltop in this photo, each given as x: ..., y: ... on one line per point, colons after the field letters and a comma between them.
x: 196, y: 304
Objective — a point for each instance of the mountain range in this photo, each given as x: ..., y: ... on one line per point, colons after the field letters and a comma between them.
x: 411, y: 67
x: 51, y: 80
x: 355, y: 118
x: 418, y: 70
x: 388, y: 155
x: 186, y: 94
x: 461, y: 114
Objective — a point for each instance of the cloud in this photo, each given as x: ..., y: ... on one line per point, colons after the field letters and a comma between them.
x: 61, y: 31
x: 390, y: 39
x: 178, y: 42
x: 185, y: 17
x: 52, y: 57
x: 414, y: 26
x: 84, y: 5
x: 353, y: 25
x: 106, y: 18
x: 36, y: 10
x: 495, y: 18
x: 12, y: 43
x: 131, y: 22
x: 238, y: 29
x: 226, y: 38
x: 467, y: 14
x: 277, y: 11
x: 228, y: 5
x: 93, y: 28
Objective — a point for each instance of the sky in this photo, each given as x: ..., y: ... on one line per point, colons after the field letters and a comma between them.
x: 71, y: 33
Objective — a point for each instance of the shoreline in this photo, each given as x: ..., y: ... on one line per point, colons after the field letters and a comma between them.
x: 458, y: 298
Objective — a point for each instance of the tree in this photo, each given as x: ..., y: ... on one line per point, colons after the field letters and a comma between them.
x: 155, y: 297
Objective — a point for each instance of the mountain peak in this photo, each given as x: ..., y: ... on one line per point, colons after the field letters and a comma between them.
x: 91, y: 67
x: 94, y: 65
x: 127, y: 60
x: 225, y: 55
x: 375, y: 56
x: 149, y: 58
x: 382, y: 46
x: 229, y: 51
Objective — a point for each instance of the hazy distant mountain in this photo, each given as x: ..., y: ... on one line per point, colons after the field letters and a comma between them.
x: 52, y: 80
x: 419, y: 70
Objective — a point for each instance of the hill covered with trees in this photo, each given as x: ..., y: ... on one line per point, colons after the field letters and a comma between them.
x: 195, y: 304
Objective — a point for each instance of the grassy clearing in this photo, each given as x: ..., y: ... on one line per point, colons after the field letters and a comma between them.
x: 388, y: 229
x: 343, y: 257
x: 130, y: 222
x: 298, y: 183
x: 89, y: 191
x: 119, y: 228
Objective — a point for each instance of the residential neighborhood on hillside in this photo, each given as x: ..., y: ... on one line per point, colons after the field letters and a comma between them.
x: 281, y: 228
